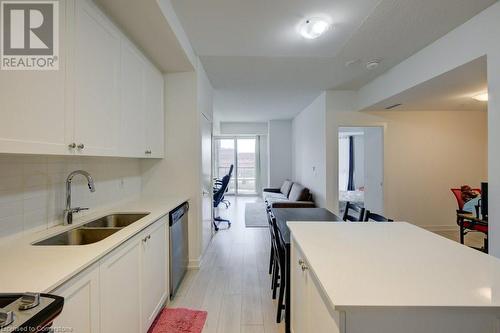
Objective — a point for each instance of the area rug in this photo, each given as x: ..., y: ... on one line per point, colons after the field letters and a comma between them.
x: 255, y: 215
x: 179, y: 320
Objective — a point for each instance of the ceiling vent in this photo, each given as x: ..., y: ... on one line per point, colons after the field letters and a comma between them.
x: 393, y: 106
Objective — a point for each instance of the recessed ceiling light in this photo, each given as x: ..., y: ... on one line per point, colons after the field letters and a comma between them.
x: 482, y: 97
x: 313, y: 27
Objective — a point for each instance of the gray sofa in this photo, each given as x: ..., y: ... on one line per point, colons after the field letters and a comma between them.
x: 290, y: 195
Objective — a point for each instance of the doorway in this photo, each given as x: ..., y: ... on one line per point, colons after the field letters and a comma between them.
x: 361, y: 168
x: 243, y: 153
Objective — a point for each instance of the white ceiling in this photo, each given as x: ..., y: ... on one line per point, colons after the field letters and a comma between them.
x: 262, y: 68
x: 451, y: 91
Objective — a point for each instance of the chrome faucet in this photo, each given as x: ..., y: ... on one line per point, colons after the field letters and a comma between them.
x: 68, y: 212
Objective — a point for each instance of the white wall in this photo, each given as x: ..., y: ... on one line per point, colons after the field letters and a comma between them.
x: 280, y: 151
x: 243, y: 128
x: 423, y: 158
x: 475, y: 38
x: 264, y: 163
x: 32, y: 188
x: 309, y: 149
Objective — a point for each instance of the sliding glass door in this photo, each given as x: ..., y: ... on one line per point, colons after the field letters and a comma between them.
x: 242, y: 152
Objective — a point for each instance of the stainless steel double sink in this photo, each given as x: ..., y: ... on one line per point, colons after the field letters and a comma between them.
x: 93, y: 231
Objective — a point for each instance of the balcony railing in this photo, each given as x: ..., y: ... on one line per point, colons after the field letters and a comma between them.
x: 247, y: 180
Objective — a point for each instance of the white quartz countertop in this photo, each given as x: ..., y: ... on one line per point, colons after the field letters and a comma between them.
x: 44, y: 268
x: 396, y: 265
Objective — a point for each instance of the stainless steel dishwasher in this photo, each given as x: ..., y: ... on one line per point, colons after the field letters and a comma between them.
x: 179, y: 250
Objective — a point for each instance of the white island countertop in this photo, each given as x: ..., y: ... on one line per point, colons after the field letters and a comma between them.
x: 396, y: 265
x: 26, y: 267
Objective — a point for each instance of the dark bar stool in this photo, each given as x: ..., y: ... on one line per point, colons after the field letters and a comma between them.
x: 369, y: 216
x: 281, y: 263
x: 351, y: 218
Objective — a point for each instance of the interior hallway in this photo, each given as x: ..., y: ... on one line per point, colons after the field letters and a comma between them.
x: 233, y: 284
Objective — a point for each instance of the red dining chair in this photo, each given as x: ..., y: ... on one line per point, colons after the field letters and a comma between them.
x: 467, y: 225
x: 458, y: 195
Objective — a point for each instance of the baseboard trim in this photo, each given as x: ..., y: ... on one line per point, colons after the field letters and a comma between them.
x: 438, y: 228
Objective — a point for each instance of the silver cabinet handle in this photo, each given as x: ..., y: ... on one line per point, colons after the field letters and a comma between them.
x: 72, y: 145
x: 80, y: 146
x: 303, y: 265
x: 145, y: 239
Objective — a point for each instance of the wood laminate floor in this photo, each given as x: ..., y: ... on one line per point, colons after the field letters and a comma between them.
x: 233, y: 285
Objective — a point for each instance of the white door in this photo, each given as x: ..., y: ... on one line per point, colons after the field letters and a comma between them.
x: 206, y: 167
x: 374, y: 169
x: 132, y: 113
x: 154, y: 272
x: 120, y: 290
x: 81, y: 303
x: 155, y: 111
x: 96, y: 81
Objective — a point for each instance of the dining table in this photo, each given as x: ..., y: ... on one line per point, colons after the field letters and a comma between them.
x: 284, y: 215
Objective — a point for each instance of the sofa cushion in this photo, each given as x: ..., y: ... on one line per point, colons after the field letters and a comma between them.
x: 286, y: 187
x: 298, y: 193
x: 272, y: 195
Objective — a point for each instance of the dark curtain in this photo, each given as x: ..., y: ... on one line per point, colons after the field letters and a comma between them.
x: 350, y: 184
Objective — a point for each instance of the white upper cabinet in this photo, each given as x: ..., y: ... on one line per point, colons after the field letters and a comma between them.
x: 32, y: 107
x: 106, y: 99
x: 154, y: 108
x: 96, y: 82
x: 133, y: 132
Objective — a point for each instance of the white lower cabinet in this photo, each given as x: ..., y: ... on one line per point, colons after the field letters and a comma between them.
x: 309, y: 312
x: 124, y: 291
x: 120, y: 289
x: 81, y: 303
x: 154, y: 273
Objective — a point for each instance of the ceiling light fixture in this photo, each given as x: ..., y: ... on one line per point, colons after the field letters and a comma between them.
x: 482, y: 97
x: 313, y: 27
x: 372, y: 64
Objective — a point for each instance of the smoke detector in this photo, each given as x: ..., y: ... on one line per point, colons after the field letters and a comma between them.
x: 372, y: 64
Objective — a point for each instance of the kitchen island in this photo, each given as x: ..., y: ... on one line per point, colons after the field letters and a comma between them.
x: 390, y: 278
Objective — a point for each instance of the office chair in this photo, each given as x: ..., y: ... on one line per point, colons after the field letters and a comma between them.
x: 218, y: 183
x: 218, y: 197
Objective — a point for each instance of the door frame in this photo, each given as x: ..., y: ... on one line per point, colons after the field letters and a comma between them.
x: 235, y: 157
x: 383, y: 128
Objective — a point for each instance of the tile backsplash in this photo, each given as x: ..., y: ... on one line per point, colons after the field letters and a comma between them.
x: 32, y: 188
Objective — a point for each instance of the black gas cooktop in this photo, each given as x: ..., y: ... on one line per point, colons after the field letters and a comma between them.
x: 28, y: 312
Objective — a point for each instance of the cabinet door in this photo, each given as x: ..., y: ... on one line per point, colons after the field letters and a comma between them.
x: 81, y: 303
x: 132, y: 112
x: 154, y: 108
x: 96, y: 81
x: 299, y: 291
x: 120, y: 289
x: 32, y: 113
x: 321, y: 320
x: 154, y: 272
